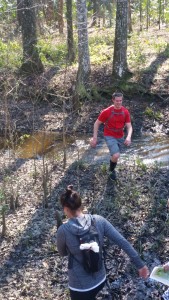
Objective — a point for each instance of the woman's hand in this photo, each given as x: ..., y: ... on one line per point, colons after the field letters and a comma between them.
x: 144, y: 272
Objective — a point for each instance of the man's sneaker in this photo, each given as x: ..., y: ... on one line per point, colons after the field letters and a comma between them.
x: 113, y: 175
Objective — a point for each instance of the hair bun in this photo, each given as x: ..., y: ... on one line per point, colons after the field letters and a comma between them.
x: 70, y: 187
x: 69, y: 190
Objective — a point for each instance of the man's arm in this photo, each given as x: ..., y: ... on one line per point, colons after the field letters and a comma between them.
x: 93, y: 141
x: 127, y: 141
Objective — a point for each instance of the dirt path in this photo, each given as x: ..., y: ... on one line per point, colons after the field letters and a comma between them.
x: 136, y: 204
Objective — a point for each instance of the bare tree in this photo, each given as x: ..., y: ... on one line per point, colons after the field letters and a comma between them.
x: 60, y: 15
x: 95, y: 12
x: 27, y: 18
x: 49, y: 12
x: 159, y: 14
x: 120, y: 68
x: 147, y: 14
x: 130, y: 29
x: 70, y: 41
x: 83, y: 47
x: 141, y: 14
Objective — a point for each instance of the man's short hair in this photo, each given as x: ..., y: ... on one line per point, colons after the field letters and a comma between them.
x: 117, y: 95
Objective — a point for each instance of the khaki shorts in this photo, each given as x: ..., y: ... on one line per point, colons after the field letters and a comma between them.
x: 114, y: 145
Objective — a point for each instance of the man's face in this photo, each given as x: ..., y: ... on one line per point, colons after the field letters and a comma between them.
x: 118, y: 102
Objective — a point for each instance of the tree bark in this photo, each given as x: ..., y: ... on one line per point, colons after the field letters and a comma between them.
x: 130, y: 29
x: 19, y: 6
x: 147, y: 14
x: 159, y: 14
x: 70, y: 40
x: 31, y: 60
x: 60, y: 16
x: 83, y: 46
x: 140, y: 6
x: 49, y: 12
x: 95, y: 13
x: 120, y: 68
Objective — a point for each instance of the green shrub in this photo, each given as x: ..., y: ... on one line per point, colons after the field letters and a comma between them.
x: 10, y: 54
x: 149, y: 112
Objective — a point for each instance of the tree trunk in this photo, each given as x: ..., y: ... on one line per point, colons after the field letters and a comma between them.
x: 99, y: 13
x: 31, y: 60
x: 109, y: 7
x: 94, y: 16
x: 159, y: 15
x: 130, y: 29
x: 70, y: 41
x: 83, y: 46
x: 60, y: 16
x: 3, y: 233
x: 140, y: 15
x: 147, y: 12
x: 19, y: 6
x: 104, y: 15
x: 120, y: 68
x: 49, y: 12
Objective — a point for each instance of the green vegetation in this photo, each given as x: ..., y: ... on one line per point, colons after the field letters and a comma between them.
x: 10, y: 54
x: 140, y: 164
x: 160, y: 272
x: 52, y: 54
x: 23, y: 138
x: 53, y: 50
x: 149, y: 112
x: 104, y: 168
x: 79, y: 164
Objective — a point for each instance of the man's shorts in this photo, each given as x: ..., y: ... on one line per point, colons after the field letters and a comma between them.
x: 114, y: 145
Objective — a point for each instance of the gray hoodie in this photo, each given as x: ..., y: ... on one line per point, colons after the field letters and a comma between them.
x: 67, y: 242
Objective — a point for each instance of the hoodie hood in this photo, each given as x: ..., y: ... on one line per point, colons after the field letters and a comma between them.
x: 79, y: 225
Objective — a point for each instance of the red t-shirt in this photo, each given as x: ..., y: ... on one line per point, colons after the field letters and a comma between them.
x: 114, y: 120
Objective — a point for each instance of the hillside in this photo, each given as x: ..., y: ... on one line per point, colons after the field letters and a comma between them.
x: 31, y: 268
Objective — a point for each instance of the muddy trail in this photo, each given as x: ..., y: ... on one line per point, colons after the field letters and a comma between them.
x: 136, y: 204
x: 30, y: 266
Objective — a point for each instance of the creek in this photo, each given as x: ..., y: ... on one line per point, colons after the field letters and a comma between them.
x: 146, y: 148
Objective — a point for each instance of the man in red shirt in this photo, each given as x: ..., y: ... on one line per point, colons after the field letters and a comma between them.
x: 114, y: 118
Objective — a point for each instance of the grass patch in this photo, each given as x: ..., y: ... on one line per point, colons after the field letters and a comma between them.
x: 10, y: 54
x: 101, y: 47
x: 51, y: 54
x: 150, y: 113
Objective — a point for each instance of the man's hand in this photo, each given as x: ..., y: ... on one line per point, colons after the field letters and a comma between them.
x: 144, y: 272
x: 93, y: 142
x: 166, y: 267
x: 127, y: 141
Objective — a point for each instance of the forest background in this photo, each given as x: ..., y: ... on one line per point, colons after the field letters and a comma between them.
x: 60, y: 61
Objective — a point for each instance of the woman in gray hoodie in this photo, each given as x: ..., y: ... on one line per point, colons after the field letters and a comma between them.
x: 84, y: 285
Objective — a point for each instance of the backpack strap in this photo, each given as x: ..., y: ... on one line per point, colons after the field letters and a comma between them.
x: 112, y: 114
x: 72, y: 257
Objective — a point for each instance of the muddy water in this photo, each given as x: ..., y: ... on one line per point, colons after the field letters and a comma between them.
x: 148, y: 148
x: 36, y: 145
x: 151, y: 149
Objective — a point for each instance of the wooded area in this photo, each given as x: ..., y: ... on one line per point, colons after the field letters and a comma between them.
x: 60, y: 62
x: 37, y: 25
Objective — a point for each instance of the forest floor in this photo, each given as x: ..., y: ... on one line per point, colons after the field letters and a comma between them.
x: 30, y: 267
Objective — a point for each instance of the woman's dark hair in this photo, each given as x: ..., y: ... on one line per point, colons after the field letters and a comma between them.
x: 116, y: 94
x: 70, y: 198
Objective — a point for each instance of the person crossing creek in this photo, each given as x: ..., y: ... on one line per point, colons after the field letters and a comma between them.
x: 115, y: 118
